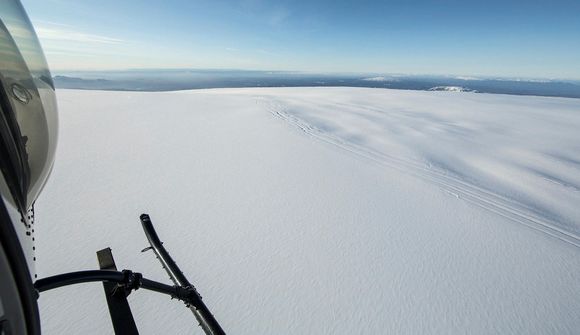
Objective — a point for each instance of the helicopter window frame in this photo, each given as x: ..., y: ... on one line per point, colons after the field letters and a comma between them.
x: 13, y: 157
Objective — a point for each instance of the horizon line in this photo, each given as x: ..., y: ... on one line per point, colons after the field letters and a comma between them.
x: 335, y: 73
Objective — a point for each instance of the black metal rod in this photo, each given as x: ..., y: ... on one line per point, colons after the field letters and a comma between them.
x: 119, y: 308
x: 167, y: 262
x: 78, y: 277
x: 89, y: 276
x: 206, y: 320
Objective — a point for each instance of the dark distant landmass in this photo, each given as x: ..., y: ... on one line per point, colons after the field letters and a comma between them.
x: 173, y: 80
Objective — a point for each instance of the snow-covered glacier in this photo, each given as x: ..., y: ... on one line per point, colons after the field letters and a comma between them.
x: 321, y: 210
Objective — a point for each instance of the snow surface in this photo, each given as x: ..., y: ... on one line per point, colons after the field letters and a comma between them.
x: 321, y: 210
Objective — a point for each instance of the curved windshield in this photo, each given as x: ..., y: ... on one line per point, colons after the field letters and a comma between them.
x: 28, y: 105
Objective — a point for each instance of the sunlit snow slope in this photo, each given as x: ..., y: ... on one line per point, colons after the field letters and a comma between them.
x: 321, y: 210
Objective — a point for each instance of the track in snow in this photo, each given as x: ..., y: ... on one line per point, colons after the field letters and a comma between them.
x: 486, y: 199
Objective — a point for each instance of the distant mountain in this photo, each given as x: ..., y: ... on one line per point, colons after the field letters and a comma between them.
x: 174, y: 80
x: 380, y: 78
x: 80, y: 83
x: 451, y: 89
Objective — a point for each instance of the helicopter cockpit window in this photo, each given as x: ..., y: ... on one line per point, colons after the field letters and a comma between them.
x: 28, y: 107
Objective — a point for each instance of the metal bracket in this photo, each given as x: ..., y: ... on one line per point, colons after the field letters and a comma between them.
x: 116, y: 294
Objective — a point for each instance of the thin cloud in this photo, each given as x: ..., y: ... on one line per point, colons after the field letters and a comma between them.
x: 54, y: 33
x: 68, y: 48
x: 39, y: 23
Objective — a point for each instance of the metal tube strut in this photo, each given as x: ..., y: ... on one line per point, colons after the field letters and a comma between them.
x: 206, y: 320
x: 128, y: 279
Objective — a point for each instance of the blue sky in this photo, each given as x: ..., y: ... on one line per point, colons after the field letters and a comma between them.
x: 528, y: 39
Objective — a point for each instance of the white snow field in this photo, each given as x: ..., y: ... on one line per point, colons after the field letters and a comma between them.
x: 321, y: 210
